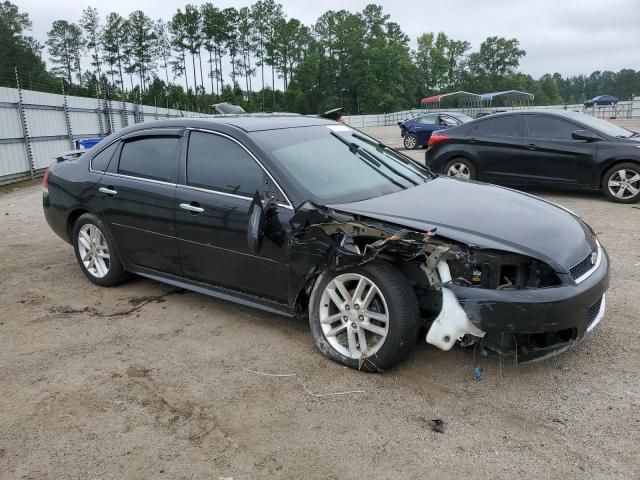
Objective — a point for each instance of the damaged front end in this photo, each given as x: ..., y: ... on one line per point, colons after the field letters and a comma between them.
x: 510, y: 303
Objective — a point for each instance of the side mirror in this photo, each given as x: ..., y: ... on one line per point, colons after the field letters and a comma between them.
x: 585, y: 135
x: 258, y: 212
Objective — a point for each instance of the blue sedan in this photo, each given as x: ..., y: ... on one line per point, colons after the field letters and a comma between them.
x: 418, y: 130
x: 601, y: 100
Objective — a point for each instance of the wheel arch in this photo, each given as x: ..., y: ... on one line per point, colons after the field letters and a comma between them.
x: 302, y: 297
x: 609, y: 165
x: 72, y: 218
x: 454, y: 156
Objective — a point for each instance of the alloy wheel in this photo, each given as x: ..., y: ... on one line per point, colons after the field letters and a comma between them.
x: 624, y: 183
x: 459, y: 170
x: 410, y: 141
x: 354, y: 316
x: 94, y: 251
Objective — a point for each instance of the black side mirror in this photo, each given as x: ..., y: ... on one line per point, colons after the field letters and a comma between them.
x: 585, y: 135
x: 258, y: 213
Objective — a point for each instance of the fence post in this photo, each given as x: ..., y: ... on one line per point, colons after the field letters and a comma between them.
x: 125, y: 114
x: 67, y: 116
x: 25, y: 126
x: 99, y: 113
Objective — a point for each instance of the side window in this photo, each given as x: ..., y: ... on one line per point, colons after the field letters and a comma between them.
x: 541, y: 126
x: 151, y: 157
x: 101, y: 161
x: 427, y: 120
x: 217, y: 163
x: 502, y: 126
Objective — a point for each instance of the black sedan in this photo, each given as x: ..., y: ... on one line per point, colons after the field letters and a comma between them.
x: 542, y: 148
x: 306, y: 217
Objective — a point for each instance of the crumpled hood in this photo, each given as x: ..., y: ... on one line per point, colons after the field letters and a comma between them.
x: 485, y: 216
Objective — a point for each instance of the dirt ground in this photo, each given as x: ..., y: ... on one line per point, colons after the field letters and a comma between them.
x: 142, y: 381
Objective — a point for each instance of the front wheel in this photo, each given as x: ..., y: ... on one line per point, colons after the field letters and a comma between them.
x: 95, y: 252
x: 621, y: 183
x: 460, y: 168
x: 410, y: 141
x: 365, y: 317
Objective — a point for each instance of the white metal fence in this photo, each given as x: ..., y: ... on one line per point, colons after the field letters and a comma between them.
x: 626, y: 109
x: 37, y: 126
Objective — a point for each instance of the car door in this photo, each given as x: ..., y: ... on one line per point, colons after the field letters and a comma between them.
x: 496, y: 145
x: 219, y: 179
x: 137, y: 199
x: 552, y: 156
x: 424, y: 127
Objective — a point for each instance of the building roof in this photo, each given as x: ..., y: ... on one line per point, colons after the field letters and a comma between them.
x: 511, y: 94
x: 460, y: 95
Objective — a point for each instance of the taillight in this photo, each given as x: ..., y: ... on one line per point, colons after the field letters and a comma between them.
x: 45, y: 180
x: 433, y: 139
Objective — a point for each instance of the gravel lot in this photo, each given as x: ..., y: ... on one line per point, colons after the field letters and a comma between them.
x: 142, y: 381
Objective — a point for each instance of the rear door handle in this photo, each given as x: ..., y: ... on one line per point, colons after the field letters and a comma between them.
x: 532, y: 146
x: 107, y: 191
x: 191, y: 208
x: 472, y: 140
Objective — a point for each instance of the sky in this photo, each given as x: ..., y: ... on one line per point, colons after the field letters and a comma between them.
x: 566, y: 36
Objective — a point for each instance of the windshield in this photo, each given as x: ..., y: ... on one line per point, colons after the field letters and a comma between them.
x: 599, y: 124
x: 336, y: 164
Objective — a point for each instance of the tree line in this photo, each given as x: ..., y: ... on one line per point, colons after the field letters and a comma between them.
x: 362, y: 61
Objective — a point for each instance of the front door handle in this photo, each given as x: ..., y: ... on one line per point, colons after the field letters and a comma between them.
x: 108, y: 191
x: 191, y: 208
x: 532, y: 146
x: 472, y: 140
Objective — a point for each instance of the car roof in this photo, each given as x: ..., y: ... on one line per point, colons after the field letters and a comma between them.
x: 246, y: 122
x: 537, y: 111
x: 436, y: 113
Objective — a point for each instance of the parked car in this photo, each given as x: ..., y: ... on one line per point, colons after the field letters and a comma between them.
x: 416, y: 131
x: 601, y: 100
x: 542, y: 148
x: 305, y: 217
x: 226, y: 108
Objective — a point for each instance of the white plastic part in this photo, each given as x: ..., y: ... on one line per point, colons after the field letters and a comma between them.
x: 452, y: 323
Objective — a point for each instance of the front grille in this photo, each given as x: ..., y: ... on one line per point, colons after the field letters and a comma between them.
x: 592, y: 311
x: 579, y: 269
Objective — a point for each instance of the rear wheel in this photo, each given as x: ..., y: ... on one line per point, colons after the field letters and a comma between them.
x: 365, y: 317
x: 621, y: 183
x: 95, y: 252
x: 410, y: 141
x: 460, y: 168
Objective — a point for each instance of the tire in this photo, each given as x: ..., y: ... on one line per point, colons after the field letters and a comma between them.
x: 619, y: 189
x: 410, y: 141
x: 101, y: 263
x: 462, y: 165
x: 392, y: 297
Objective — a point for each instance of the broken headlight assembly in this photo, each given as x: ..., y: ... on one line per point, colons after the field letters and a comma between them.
x: 497, y: 270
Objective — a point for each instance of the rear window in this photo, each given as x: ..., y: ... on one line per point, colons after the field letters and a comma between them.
x: 101, y: 161
x: 152, y: 157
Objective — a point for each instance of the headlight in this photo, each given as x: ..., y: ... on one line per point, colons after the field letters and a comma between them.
x: 498, y: 270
